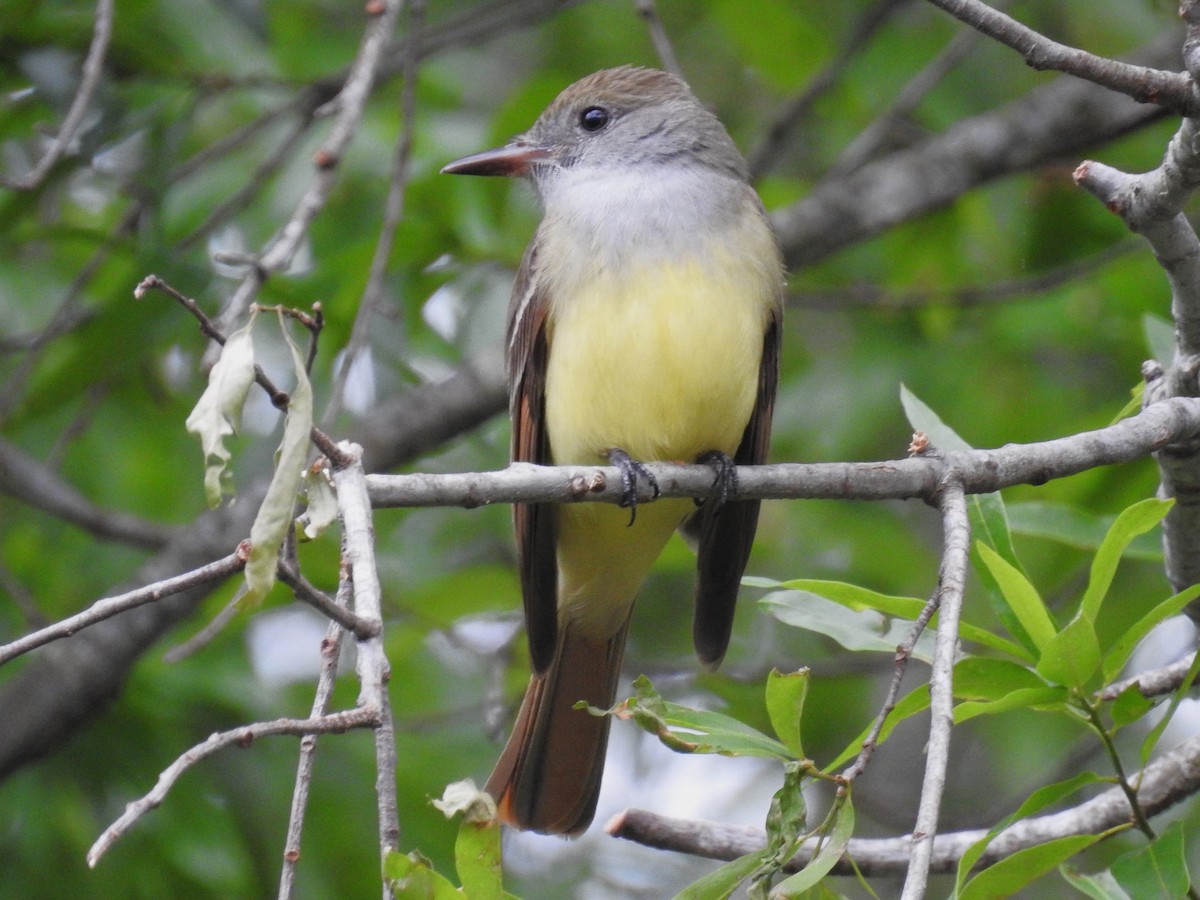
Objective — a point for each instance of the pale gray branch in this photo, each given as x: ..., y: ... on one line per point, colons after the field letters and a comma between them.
x: 33, y: 482
x: 1146, y: 85
x: 358, y: 549
x: 1166, y: 781
x: 1152, y: 205
x: 1060, y: 120
x: 211, y: 573
x: 981, y: 471
x: 952, y: 581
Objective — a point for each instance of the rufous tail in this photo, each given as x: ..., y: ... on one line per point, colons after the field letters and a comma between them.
x: 548, y: 776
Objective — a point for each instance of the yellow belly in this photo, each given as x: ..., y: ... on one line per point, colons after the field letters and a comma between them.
x: 662, y: 362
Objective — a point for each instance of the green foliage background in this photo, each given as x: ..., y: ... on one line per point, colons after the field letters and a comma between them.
x: 105, y: 402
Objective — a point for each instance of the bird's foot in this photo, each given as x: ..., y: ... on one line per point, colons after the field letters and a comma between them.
x: 725, y: 483
x: 630, y: 470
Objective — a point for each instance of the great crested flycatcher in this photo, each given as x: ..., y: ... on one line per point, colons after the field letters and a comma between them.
x: 644, y: 324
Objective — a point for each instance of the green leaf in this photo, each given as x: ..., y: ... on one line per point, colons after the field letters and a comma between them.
x: 922, y: 418
x: 687, y: 730
x: 275, y: 516
x: 1024, y: 698
x: 1157, y: 870
x: 830, y: 852
x: 1072, y: 656
x: 724, y: 881
x: 1035, y: 803
x: 1101, y: 886
x: 989, y: 518
x: 1021, y: 597
x: 1129, y: 706
x: 987, y: 678
x: 864, y: 630
x: 1011, y: 874
x: 1185, y: 688
x: 859, y: 598
x: 1116, y: 656
x: 219, y: 410
x: 1132, y: 521
x: 785, y: 825
x: 785, y: 706
x: 411, y: 877
x: 989, y: 522
x: 1075, y: 527
x: 912, y: 703
x: 477, y: 847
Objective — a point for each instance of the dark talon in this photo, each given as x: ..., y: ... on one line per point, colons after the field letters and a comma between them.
x: 726, y: 481
x: 630, y: 470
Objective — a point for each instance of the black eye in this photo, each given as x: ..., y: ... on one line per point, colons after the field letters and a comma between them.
x: 593, y: 118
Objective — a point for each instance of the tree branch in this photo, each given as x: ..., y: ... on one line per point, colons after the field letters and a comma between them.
x: 952, y: 580
x: 334, y: 723
x: 93, y: 68
x: 981, y: 471
x: 1171, y: 90
x: 30, y: 481
x: 1152, y: 205
x: 1163, y: 783
x: 1059, y: 120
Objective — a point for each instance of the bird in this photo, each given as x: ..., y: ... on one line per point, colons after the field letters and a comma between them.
x: 644, y: 325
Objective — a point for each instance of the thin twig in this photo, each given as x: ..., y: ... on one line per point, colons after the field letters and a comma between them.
x: 93, y: 68
x: 1172, y: 90
x: 307, y: 592
x: 348, y: 108
x: 279, y: 398
x: 111, y: 606
x: 208, y: 633
x: 330, y: 656
x: 952, y: 579
x: 393, y: 213
x: 795, y: 111
x: 659, y: 37
x: 871, y: 296
x: 903, y: 654
x: 333, y: 723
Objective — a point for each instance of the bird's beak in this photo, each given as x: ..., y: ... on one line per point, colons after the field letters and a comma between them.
x: 512, y: 160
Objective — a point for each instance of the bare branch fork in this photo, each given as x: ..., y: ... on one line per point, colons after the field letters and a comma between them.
x: 1151, y: 205
x: 1173, y: 90
x: 360, y: 583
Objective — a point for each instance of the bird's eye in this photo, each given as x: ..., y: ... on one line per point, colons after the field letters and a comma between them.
x: 593, y: 118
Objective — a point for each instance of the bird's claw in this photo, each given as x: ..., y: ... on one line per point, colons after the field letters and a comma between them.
x: 630, y: 470
x: 725, y: 483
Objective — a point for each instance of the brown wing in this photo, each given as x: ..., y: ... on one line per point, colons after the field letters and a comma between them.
x: 534, y: 524
x: 726, y: 532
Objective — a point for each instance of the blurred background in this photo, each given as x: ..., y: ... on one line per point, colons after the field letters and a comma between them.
x: 949, y: 252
